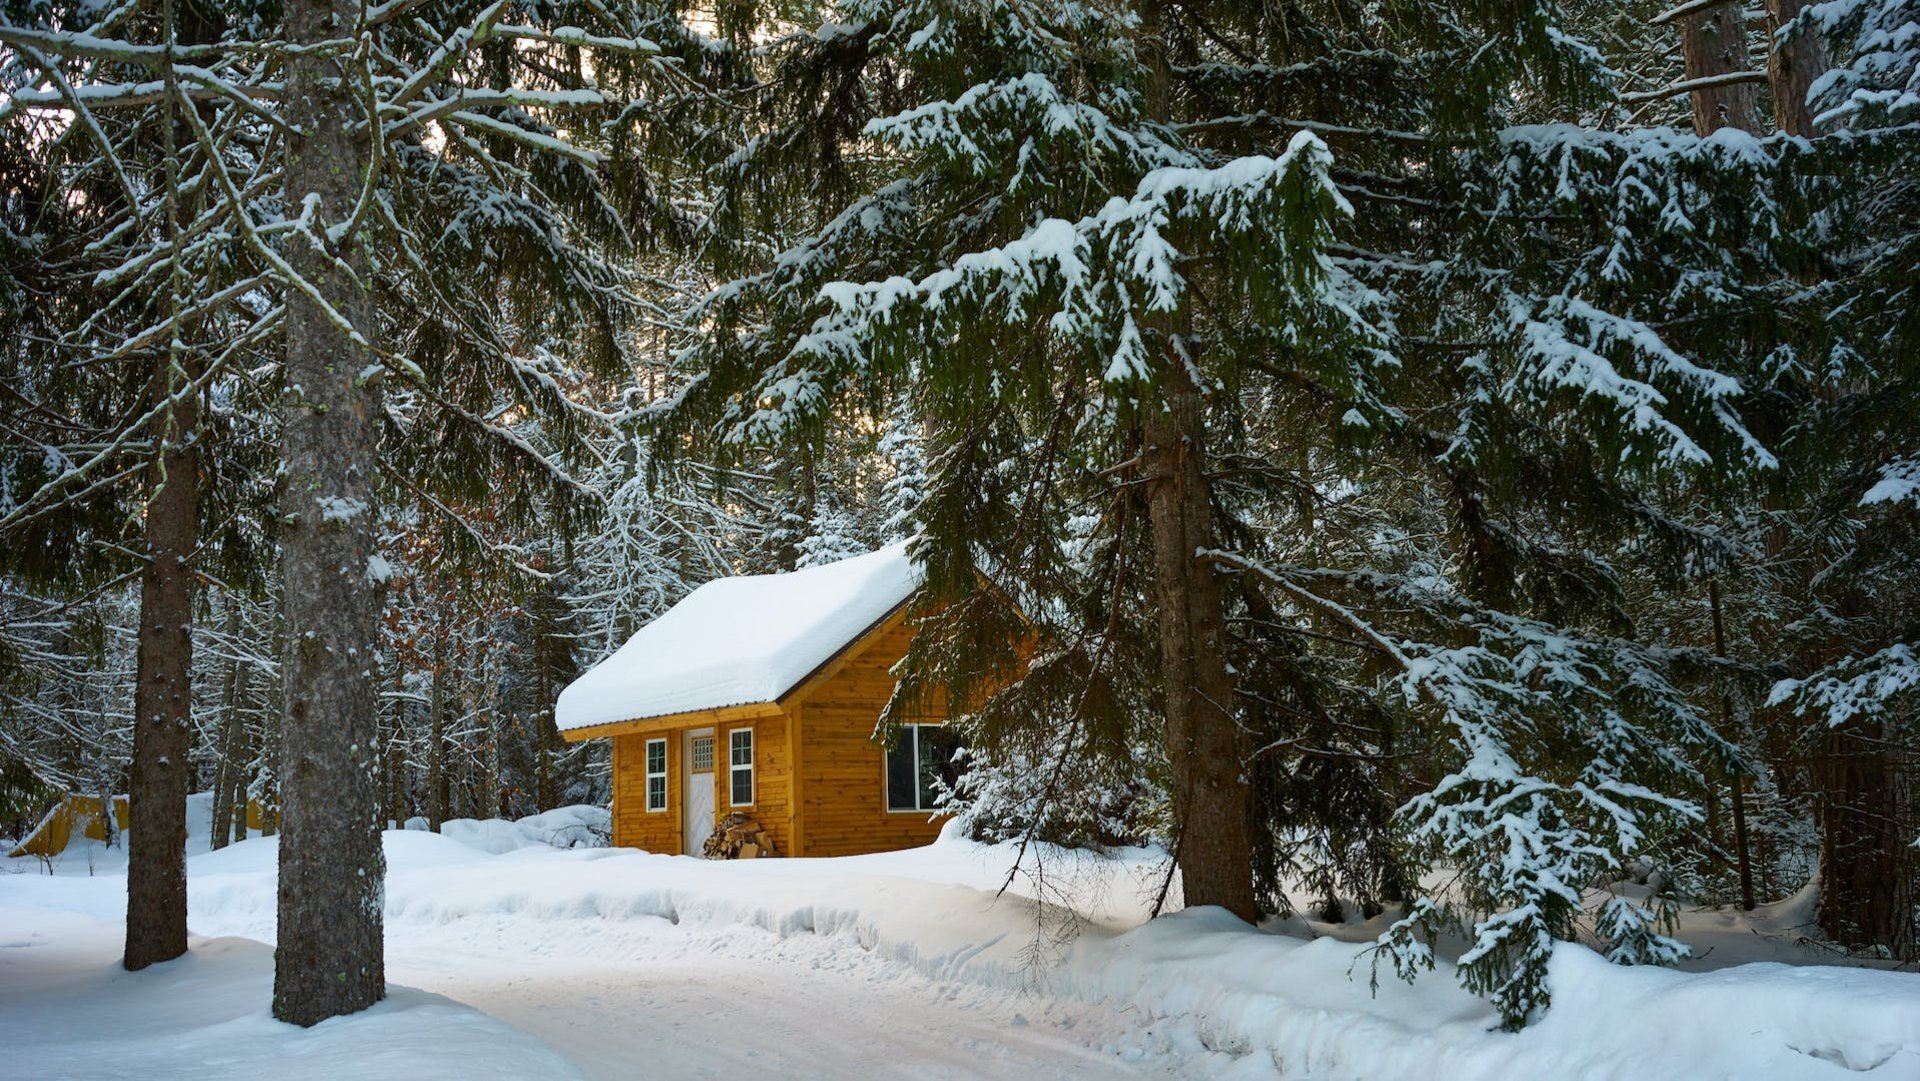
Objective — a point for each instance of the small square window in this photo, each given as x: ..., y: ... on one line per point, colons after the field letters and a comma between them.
x: 703, y: 754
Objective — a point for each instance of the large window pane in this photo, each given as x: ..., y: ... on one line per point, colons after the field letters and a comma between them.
x: 936, y: 763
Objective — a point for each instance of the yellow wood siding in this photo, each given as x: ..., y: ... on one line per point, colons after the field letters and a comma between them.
x: 843, y: 778
x: 820, y: 786
x: 772, y: 778
x: 633, y: 825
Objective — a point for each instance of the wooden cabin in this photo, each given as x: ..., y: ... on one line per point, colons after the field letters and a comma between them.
x: 760, y: 694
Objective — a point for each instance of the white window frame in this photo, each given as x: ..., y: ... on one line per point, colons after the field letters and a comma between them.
x: 909, y: 735
x: 646, y: 768
x: 734, y: 768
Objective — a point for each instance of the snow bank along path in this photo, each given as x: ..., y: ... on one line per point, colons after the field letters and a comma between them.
x: 1291, y: 1007
x: 862, y: 945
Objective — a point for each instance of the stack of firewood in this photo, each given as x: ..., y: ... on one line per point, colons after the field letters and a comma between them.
x: 738, y: 837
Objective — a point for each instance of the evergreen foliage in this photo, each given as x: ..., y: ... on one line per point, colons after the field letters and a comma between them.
x: 1556, y: 417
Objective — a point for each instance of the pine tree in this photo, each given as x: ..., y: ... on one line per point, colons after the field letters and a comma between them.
x: 1380, y: 306
x: 904, y: 451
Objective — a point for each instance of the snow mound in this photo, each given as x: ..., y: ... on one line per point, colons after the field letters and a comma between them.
x: 1249, y: 1003
x: 68, y: 1010
x: 577, y: 826
x: 1282, y: 1005
x: 740, y: 640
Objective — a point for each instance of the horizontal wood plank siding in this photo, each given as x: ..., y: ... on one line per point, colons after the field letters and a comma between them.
x: 772, y: 778
x: 633, y: 825
x: 820, y: 779
x: 843, y: 771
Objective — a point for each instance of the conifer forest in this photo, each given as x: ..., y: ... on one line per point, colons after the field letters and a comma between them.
x: 1439, y: 477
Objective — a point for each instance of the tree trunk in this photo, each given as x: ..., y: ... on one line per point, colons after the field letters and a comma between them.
x: 163, y: 691
x: 109, y: 824
x: 1742, y: 848
x: 226, y: 757
x: 543, y: 776
x: 396, y: 783
x: 437, y: 738
x: 1867, y: 895
x: 330, y: 957
x: 1792, y: 66
x: 395, y: 814
x: 239, y: 781
x: 1743, y: 854
x: 262, y: 785
x: 1714, y: 42
x: 245, y: 751
x: 1210, y: 794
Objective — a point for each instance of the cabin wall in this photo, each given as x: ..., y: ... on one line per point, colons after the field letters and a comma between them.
x: 661, y: 831
x: 633, y: 825
x: 844, y: 784
x: 772, y: 805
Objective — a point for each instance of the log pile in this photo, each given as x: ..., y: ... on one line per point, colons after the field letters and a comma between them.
x: 738, y: 837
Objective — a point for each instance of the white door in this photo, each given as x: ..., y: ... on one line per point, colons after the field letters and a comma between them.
x: 697, y: 815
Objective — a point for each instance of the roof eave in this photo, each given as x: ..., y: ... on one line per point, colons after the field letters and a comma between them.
x: 667, y: 722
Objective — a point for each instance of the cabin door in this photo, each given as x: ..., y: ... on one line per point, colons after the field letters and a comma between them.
x: 697, y: 815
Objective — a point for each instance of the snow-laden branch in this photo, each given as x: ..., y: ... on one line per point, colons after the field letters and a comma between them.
x: 1091, y: 279
x: 1528, y: 831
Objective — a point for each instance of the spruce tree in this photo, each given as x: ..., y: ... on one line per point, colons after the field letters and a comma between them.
x: 1426, y: 416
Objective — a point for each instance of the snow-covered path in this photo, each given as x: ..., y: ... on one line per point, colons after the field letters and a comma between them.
x: 696, y: 1004
x: 510, y: 958
x: 609, y: 998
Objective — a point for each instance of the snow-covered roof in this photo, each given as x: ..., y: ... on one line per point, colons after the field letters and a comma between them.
x: 740, y: 640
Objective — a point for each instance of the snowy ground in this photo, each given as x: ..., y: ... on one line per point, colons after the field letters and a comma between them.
x: 510, y: 958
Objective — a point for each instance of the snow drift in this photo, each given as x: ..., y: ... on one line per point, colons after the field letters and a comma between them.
x: 1266, y: 1004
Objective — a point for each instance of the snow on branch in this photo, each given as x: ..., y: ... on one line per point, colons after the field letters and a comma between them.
x: 1855, y: 687
x: 1899, y: 483
x: 1089, y: 280
x: 1527, y: 831
x: 1564, y: 342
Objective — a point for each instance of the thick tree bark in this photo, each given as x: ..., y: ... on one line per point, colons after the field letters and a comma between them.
x: 1714, y: 42
x: 1210, y: 794
x: 330, y: 957
x: 1792, y: 66
x: 1867, y: 894
x: 163, y: 691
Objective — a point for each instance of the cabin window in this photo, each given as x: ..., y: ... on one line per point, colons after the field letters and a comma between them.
x: 918, y: 764
x: 656, y: 775
x: 740, y: 766
x: 703, y: 754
